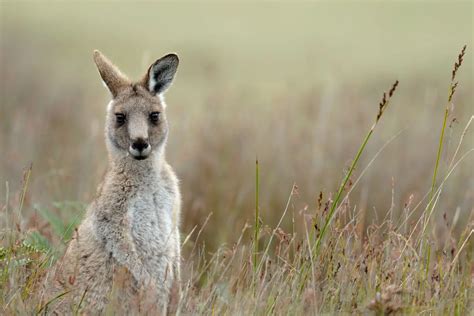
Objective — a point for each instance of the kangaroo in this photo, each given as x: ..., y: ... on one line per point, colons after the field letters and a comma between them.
x: 127, y: 247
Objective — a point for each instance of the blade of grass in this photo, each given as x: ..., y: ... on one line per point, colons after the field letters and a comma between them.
x: 257, y: 216
x: 25, y: 187
x: 76, y: 312
x: 45, y: 306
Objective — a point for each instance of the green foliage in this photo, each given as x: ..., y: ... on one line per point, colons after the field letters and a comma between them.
x: 63, y: 229
x: 36, y: 242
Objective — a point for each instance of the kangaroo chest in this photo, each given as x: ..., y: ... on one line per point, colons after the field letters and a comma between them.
x: 150, y: 214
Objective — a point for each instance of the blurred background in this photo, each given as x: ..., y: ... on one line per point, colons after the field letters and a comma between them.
x: 296, y: 85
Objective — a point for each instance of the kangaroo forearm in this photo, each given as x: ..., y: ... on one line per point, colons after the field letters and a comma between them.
x: 120, y: 246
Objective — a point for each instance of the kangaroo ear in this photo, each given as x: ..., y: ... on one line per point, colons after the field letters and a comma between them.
x: 160, y: 74
x: 111, y: 75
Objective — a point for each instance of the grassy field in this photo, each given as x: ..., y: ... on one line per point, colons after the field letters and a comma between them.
x: 297, y: 86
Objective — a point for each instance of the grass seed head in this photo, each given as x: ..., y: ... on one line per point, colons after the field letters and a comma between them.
x: 385, y: 100
x: 458, y: 63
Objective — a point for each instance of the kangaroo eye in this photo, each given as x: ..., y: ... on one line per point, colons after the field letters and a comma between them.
x: 120, y: 118
x: 155, y: 117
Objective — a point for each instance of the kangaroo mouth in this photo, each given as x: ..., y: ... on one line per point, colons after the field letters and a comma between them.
x: 139, y: 155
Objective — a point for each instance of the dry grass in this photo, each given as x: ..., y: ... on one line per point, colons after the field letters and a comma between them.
x: 396, y: 237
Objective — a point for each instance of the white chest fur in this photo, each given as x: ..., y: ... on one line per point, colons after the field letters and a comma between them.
x: 150, y: 215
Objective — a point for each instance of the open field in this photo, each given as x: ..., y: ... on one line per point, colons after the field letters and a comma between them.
x: 297, y: 86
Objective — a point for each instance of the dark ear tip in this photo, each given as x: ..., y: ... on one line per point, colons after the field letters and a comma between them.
x: 172, y: 57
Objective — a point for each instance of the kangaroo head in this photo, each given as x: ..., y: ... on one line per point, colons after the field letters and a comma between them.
x: 136, y: 124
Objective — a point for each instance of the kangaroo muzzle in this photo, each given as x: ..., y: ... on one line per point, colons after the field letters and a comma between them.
x: 140, y: 149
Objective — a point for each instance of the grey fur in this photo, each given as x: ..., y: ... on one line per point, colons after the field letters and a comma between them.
x: 128, y: 246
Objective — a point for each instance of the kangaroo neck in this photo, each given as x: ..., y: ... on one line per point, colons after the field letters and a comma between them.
x: 126, y: 168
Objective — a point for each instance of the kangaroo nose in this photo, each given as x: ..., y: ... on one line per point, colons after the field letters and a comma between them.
x: 140, y: 144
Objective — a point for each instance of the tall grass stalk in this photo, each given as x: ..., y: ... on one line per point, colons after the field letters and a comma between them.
x: 452, y: 90
x: 382, y: 106
x: 25, y: 188
x: 438, y: 156
x: 265, y: 253
x: 432, y: 199
x: 257, y: 219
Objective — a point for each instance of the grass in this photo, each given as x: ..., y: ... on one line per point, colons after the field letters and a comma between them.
x: 308, y: 228
x: 382, y: 106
